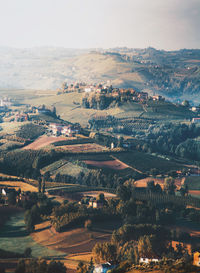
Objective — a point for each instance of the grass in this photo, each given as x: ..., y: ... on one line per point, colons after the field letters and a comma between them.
x: 19, y: 185
x: 62, y: 166
x: 15, y: 238
x: 67, y: 110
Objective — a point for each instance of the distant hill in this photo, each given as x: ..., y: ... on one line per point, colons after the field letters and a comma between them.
x: 175, y: 74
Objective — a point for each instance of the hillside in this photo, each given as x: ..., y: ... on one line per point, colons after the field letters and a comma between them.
x: 175, y: 74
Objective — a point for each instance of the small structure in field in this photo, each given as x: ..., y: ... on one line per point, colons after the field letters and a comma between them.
x: 146, y: 259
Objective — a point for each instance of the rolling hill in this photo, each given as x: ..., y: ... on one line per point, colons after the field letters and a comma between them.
x: 174, y: 74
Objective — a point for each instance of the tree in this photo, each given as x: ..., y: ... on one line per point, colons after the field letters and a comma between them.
x: 30, y: 225
x: 169, y: 185
x: 81, y: 268
x: 47, y: 176
x: 21, y: 267
x: 186, y: 103
x: 12, y: 198
x: 101, y: 197
x: 54, y: 267
x: 54, y: 111
x: 43, y: 186
x: 39, y: 184
x: 91, y: 265
x: 27, y: 252
x: 105, y: 251
x: 88, y: 224
x: 123, y: 193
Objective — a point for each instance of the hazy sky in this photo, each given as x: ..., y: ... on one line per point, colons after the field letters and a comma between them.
x: 163, y: 24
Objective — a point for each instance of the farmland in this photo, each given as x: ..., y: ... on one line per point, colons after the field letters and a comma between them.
x: 145, y: 162
x: 43, y: 141
x: 18, y: 185
x: 82, y: 148
x: 112, y: 164
x: 143, y: 182
x: 15, y: 238
x: 64, y: 167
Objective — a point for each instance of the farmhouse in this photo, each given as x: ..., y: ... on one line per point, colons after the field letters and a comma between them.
x: 5, y: 102
x: 59, y: 129
x: 158, y: 98
x: 196, y: 258
x: 95, y: 204
x: 43, y: 110
x: 21, y: 117
x: 146, y: 259
x: 6, y: 191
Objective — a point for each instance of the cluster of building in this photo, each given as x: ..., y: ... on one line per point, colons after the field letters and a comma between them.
x: 5, y: 103
x: 109, y: 89
x: 92, y: 202
x: 17, y: 116
x: 65, y: 130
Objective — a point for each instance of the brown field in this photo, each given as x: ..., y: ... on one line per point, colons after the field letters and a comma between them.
x: 111, y: 164
x: 18, y: 185
x: 142, y: 183
x: 71, y: 242
x: 81, y: 148
x: 44, y: 141
x: 96, y: 193
x: 193, y: 192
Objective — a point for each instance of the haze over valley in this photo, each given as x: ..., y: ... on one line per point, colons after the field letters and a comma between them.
x: 174, y: 74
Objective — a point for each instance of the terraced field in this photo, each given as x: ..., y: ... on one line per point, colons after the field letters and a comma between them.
x: 62, y: 166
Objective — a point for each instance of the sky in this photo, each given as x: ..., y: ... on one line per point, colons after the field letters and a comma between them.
x: 163, y: 24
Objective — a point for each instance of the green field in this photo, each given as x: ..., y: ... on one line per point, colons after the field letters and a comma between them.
x: 67, y: 108
x: 62, y: 166
x: 13, y: 237
x: 193, y: 182
x: 145, y: 162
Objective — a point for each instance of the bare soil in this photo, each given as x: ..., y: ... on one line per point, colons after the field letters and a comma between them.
x: 111, y: 164
x: 44, y: 141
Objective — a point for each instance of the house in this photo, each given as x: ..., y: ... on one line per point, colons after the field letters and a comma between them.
x: 143, y: 95
x: 6, y: 191
x: 196, y: 258
x: 24, y: 196
x: 55, y: 128
x: 21, y: 117
x: 5, y: 102
x: 43, y: 111
x: 103, y: 268
x: 66, y: 130
x: 146, y: 259
x: 95, y: 204
x: 158, y: 98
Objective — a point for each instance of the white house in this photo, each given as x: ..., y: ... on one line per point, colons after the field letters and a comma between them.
x: 149, y: 259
